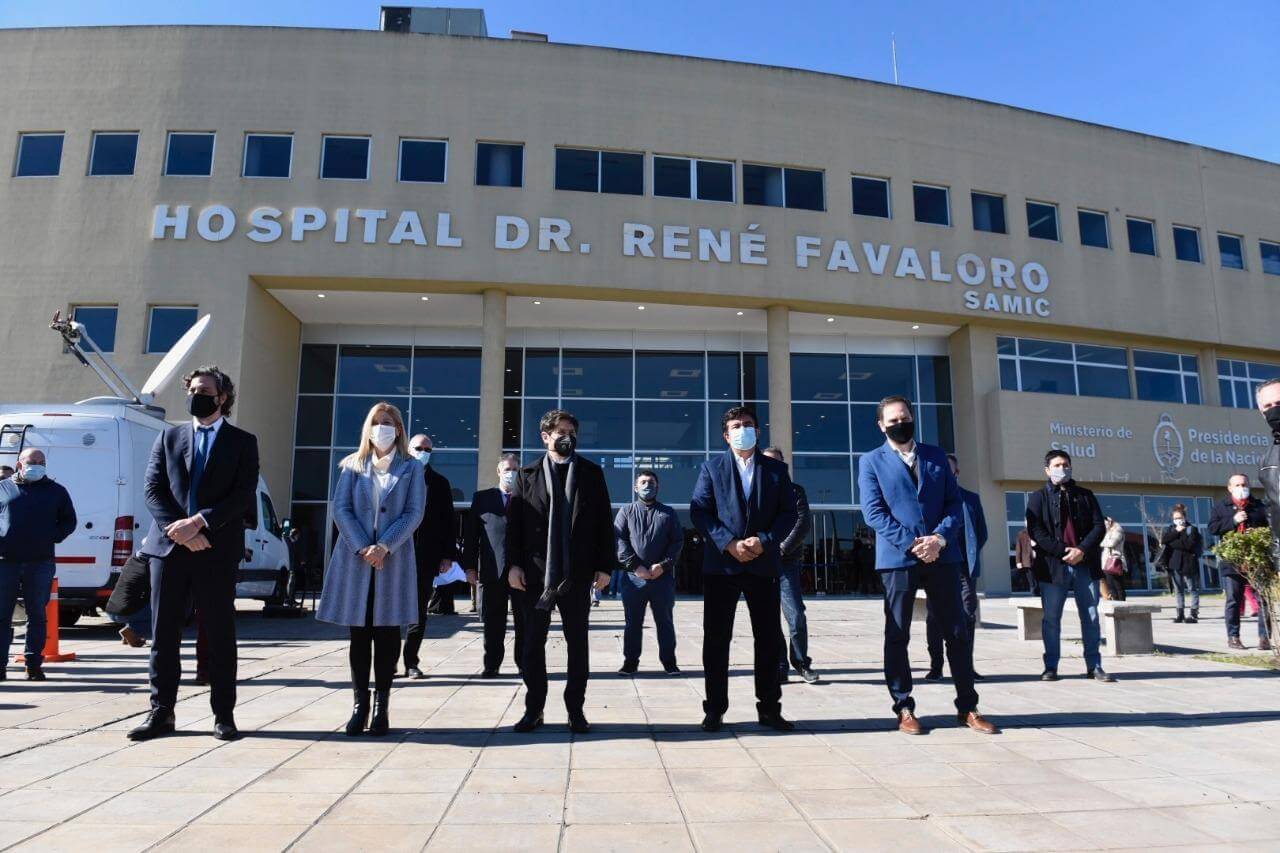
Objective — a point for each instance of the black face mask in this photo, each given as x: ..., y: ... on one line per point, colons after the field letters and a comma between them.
x: 565, y: 444
x: 201, y: 405
x: 1273, y: 419
x: 902, y: 432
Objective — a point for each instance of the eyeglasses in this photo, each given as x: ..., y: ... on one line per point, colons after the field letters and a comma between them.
x: 421, y: 449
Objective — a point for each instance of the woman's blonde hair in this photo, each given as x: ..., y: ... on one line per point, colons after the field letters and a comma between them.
x: 359, y: 460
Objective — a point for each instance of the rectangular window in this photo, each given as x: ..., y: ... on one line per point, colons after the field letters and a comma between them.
x: 268, y: 155
x: 1054, y: 367
x: 871, y: 197
x: 1270, y: 257
x: 189, y: 155
x: 1142, y: 236
x: 1231, y: 251
x: 933, y: 204
x: 1093, y: 229
x: 423, y: 161
x: 167, y: 324
x: 1237, y: 381
x: 344, y: 158
x: 1167, y: 377
x: 39, y: 155
x: 113, y: 154
x: 586, y: 170
x: 499, y: 164
x: 684, y: 177
x: 988, y: 212
x: 1186, y: 244
x: 778, y: 186
x: 99, y: 322
x: 1042, y: 220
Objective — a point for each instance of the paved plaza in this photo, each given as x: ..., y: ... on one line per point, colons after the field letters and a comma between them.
x: 1181, y: 751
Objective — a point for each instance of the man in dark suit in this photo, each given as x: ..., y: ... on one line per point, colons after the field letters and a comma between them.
x: 744, y: 506
x: 484, y: 545
x: 912, y: 501
x: 1067, y: 525
x: 974, y: 531
x: 1238, y: 511
x: 559, y: 539
x: 434, y: 547
x: 201, y: 486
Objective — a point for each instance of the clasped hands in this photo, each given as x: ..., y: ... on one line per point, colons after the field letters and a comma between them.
x: 652, y: 573
x: 927, y: 549
x: 745, y: 550
x: 516, y: 579
x: 374, y: 555
x: 187, y: 533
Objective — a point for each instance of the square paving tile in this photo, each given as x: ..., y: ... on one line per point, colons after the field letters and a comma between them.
x: 761, y: 836
x: 377, y: 809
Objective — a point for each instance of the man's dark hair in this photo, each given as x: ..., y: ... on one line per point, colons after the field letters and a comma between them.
x: 889, y: 401
x: 1056, y: 454
x: 648, y: 472
x: 555, y: 416
x: 220, y: 380
x: 737, y: 413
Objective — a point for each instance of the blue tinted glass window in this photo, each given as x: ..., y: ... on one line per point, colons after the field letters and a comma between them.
x: 618, y: 473
x: 1009, y: 375
x: 602, y: 424
x: 621, y: 173
x: 189, y: 155
x: 167, y: 325
x: 871, y: 197
x: 314, y: 427
x: 542, y: 373
x: 1191, y: 387
x: 511, y: 424
x: 499, y: 165
x: 935, y: 378
x: 874, y: 377
x: 1007, y: 346
x: 350, y: 414
x: 317, y: 368
x: 1156, y: 360
x: 866, y: 434
x: 755, y: 376
x: 345, y: 158
x: 1270, y: 257
x: 1161, y: 387
x: 311, y: 475
x: 1048, y: 377
x: 935, y: 426
x: 446, y: 371
x: 1142, y: 236
x: 1231, y: 250
x: 1093, y: 229
x: 672, y: 177
x: 267, y: 156
x: 450, y: 421
x: 988, y: 213
x: 1102, y: 381
x: 724, y: 377
x: 670, y: 375
x: 1015, y: 507
x: 1186, y: 244
x: 423, y: 160
x: 819, y: 427
x: 818, y: 377
x: 577, y: 169
x: 534, y: 409
x: 932, y: 204
x: 1101, y: 355
x: 826, y: 479
x: 1042, y: 220
x: 715, y: 181
x: 677, y: 474
x: 762, y: 185
x: 100, y: 322
x: 671, y: 425
x: 804, y: 189
x: 1227, y: 392
x: 39, y: 155
x: 1030, y: 348
x: 459, y: 467
x: 595, y: 373
x: 374, y: 370
x: 113, y: 153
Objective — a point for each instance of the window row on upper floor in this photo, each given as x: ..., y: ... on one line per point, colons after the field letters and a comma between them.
x: 1092, y: 370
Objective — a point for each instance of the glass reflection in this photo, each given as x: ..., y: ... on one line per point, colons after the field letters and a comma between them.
x: 373, y: 370
x: 450, y: 421
x: 670, y: 425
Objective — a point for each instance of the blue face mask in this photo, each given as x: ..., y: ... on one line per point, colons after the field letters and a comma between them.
x: 742, y: 438
x: 423, y: 456
x: 33, y: 473
x: 647, y: 492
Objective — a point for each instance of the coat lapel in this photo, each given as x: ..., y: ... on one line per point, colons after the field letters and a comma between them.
x: 733, y: 486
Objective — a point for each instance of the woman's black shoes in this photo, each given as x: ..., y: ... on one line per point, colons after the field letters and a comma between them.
x: 380, y: 725
x: 359, y: 714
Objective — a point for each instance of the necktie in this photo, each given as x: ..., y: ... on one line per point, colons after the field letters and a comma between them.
x: 197, y: 467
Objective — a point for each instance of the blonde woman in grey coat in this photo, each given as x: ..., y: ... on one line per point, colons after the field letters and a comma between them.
x: 371, y: 582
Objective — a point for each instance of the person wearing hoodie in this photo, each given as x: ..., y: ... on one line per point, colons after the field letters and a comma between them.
x: 1183, y: 546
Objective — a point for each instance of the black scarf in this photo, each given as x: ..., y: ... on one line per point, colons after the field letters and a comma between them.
x: 559, y: 524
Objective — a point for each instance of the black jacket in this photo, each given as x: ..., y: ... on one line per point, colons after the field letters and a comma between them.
x: 793, y: 545
x: 1223, y: 521
x: 484, y: 536
x: 592, y: 545
x: 1182, y: 550
x: 437, y: 535
x: 1269, y: 475
x: 36, y: 517
x: 1045, y: 524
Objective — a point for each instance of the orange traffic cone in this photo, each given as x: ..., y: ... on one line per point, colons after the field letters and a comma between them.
x: 51, y: 651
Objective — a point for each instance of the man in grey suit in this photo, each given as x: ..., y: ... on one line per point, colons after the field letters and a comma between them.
x: 484, y: 558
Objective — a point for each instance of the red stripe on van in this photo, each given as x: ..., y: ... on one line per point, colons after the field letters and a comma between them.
x: 77, y: 560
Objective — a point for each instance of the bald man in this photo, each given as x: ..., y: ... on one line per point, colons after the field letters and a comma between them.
x: 434, y: 545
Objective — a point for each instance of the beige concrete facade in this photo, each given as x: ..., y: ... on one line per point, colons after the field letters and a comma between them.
x: 77, y: 239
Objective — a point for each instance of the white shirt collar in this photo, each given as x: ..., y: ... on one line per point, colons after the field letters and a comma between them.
x: 908, y: 457
x: 215, y: 426
x: 744, y: 464
x: 382, y: 465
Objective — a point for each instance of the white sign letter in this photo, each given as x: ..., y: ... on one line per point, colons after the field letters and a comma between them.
x: 553, y: 231
x: 266, y: 224
x: 751, y: 247
x: 842, y: 257
x: 163, y: 222
x: 341, y: 219
x: 306, y: 219
x: 371, y: 219
x: 1002, y: 273
x: 876, y: 262
x: 714, y: 243
x: 206, y: 217
x: 806, y: 248
x: 1035, y: 277
x: 444, y: 223
x: 909, y: 264
x: 971, y: 269
x: 510, y: 232
x: 935, y: 267
x: 636, y: 236
x: 408, y: 227
x: 675, y: 242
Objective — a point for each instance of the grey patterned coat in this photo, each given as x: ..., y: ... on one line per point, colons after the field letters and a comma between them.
x: 346, y: 582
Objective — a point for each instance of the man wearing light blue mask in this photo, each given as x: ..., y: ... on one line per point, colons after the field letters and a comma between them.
x: 649, y: 542
x: 35, y: 514
x: 434, y: 548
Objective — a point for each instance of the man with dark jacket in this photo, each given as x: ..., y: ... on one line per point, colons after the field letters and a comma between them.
x: 484, y: 543
x: 975, y: 538
x: 744, y: 506
x: 789, y: 589
x: 560, y: 543
x: 1268, y: 397
x: 1067, y: 526
x: 1238, y: 511
x: 434, y: 547
x: 649, y: 541
x: 35, y: 514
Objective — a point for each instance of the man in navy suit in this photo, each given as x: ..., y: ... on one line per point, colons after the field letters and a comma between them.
x: 744, y: 506
x: 201, y: 485
x: 975, y: 538
x: 912, y: 501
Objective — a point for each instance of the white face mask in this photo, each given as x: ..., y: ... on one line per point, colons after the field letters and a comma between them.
x: 507, y: 480
x: 1179, y: 523
x: 742, y: 438
x: 1240, y: 493
x: 423, y: 456
x: 383, y: 437
x: 1057, y: 476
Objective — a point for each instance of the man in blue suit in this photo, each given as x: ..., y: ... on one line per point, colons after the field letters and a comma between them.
x: 912, y: 501
x: 975, y: 537
x: 744, y: 506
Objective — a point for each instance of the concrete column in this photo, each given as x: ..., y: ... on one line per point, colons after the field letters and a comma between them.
x: 779, y: 336
x: 493, y: 359
x: 1210, y: 393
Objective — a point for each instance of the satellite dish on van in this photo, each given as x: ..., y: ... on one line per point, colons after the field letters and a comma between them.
x: 174, y: 358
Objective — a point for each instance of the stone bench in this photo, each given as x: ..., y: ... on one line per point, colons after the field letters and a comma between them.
x: 920, y: 611
x: 1127, y: 627
x: 1030, y: 617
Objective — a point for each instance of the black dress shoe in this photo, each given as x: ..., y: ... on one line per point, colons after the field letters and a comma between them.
x: 776, y: 722
x: 1049, y: 675
x: 578, y: 723
x: 628, y: 669
x: 380, y: 724
x: 359, y: 714
x: 783, y: 678
x: 528, y: 722
x: 414, y: 673
x: 712, y: 722
x: 156, y: 724
x: 1100, y: 674
x: 809, y: 676
x: 226, y: 730
x: 671, y: 670
x: 933, y: 675
x: 490, y: 673
x: 35, y: 673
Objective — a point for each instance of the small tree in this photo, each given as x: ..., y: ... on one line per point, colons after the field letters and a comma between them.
x: 1250, y: 551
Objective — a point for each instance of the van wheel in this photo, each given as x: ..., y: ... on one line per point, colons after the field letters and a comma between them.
x: 68, y: 616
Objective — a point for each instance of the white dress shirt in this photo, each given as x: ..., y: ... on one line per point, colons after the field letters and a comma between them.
x: 747, y: 471
x: 196, y: 426
x: 380, y: 468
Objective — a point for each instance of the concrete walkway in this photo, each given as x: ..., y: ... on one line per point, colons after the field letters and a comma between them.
x: 1179, y: 752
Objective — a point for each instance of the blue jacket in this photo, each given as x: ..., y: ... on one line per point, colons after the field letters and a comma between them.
x: 975, y: 531
x: 33, y: 518
x: 899, y: 511
x: 721, y: 513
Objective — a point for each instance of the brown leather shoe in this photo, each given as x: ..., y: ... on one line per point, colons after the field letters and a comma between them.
x: 977, y: 722
x: 1234, y: 643
x: 908, y: 723
x: 1264, y: 645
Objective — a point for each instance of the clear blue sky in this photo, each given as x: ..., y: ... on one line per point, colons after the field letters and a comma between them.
x: 1202, y: 72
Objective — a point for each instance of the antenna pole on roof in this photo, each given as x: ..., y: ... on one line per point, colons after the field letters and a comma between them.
x: 893, y: 46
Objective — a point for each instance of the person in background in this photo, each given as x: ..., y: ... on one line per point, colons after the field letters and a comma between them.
x: 975, y: 539
x: 789, y: 588
x: 1112, y: 545
x: 1268, y: 398
x: 371, y: 585
x: 5, y: 472
x: 1024, y: 557
x: 36, y: 514
x: 484, y: 544
x: 649, y: 541
x: 1238, y: 511
x: 434, y: 548
x: 1183, y: 546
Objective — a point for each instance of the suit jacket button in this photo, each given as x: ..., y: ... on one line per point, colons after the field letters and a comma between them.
x: 382, y: 509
